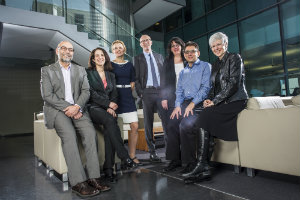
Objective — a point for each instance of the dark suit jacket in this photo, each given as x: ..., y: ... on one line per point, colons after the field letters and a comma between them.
x: 168, y: 81
x: 141, y: 70
x: 101, y: 97
x: 53, y: 90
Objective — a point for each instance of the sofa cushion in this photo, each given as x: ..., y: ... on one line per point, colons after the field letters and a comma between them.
x: 256, y: 103
x: 296, y: 100
x: 40, y: 116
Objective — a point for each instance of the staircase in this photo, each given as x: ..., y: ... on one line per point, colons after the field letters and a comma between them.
x: 85, y: 28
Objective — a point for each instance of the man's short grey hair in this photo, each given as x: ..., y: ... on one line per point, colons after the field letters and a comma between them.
x: 218, y: 36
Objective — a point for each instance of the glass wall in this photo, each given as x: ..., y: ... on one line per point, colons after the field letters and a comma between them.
x: 265, y: 33
x: 221, y: 16
x: 174, y: 21
x: 291, y: 25
x: 261, y: 50
x: 193, y: 10
x: 245, y: 8
x: 90, y: 16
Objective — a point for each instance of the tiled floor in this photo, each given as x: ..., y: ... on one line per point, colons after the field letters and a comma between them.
x: 20, y: 179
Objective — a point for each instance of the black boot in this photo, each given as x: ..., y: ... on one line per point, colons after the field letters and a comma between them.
x: 211, y: 148
x: 202, y: 155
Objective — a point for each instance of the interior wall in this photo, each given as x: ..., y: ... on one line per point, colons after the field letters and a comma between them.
x: 20, y: 94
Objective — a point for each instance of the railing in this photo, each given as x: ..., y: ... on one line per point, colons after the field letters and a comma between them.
x: 90, y: 16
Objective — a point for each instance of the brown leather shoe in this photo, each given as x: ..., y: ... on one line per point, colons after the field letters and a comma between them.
x: 95, y: 182
x: 84, y: 190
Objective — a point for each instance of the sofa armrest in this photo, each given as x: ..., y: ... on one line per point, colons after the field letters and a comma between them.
x: 269, y: 139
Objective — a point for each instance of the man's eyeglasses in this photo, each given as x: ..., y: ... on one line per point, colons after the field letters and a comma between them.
x: 146, y: 40
x: 191, y: 51
x: 63, y: 48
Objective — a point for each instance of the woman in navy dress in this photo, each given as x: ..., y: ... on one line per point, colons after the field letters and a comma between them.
x: 125, y: 78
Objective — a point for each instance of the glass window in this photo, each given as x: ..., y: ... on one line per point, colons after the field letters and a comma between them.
x: 233, y: 41
x: 24, y: 4
x: 193, y: 9
x: 203, y: 47
x: 291, y: 24
x: 246, y: 7
x: 53, y: 7
x: 213, y: 4
x: 221, y: 16
x: 260, y: 48
x: 194, y: 28
x: 174, y: 21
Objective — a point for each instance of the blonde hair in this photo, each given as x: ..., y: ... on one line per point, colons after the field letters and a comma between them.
x: 116, y: 42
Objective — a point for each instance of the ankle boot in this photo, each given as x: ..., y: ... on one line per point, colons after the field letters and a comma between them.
x: 202, y: 155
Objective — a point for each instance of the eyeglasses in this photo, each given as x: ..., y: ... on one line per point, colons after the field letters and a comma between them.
x: 217, y: 45
x: 191, y: 51
x: 63, y: 48
x: 146, y: 40
x: 175, y: 45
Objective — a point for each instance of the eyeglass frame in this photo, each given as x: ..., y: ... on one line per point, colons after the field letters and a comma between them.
x: 64, y: 48
x: 191, y: 51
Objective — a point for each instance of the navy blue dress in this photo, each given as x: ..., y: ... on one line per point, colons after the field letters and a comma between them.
x: 124, y: 76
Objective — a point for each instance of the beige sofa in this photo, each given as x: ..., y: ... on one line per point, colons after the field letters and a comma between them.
x: 47, y: 148
x: 269, y: 135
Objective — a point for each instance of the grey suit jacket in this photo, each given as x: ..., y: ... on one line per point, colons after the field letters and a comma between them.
x: 141, y: 70
x: 53, y: 90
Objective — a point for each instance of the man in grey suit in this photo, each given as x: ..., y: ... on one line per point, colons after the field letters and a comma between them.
x: 65, y: 91
x: 148, y: 68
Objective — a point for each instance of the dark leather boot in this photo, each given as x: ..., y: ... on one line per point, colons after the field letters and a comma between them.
x: 211, y: 148
x: 202, y: 155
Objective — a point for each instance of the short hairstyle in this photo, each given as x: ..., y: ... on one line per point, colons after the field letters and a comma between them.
x: 177, y: 40
x: 145, y: 35
x: 191, y: 43
x: 218, y: 36
x: 107, y: 64
x: 116, y: 42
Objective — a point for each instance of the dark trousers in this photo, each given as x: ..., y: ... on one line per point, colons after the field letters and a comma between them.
x: 112, y: 137
x: 151, y: 103
x: 182, y: 137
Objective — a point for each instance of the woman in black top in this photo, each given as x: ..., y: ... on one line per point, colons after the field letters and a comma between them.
x: 173, y: 64
x: 227, y: 98
x: 102, y: 106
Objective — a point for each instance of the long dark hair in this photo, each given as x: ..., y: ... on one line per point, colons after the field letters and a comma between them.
x: 179, y: 41
x: 107, y: 64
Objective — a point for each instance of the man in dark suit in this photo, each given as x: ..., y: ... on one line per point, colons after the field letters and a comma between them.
x: 148, y: 68
x: 65, y: 91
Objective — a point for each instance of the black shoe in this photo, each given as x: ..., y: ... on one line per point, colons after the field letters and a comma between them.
x: 154, y: 158
x: 205, y: 176
x: 188, y: 168
x: 137, y: 163
x: 129, y: 164
x: 172, y: 166
x: 111, y: 178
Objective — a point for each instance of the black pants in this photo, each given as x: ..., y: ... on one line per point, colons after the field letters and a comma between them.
x: 182, y: 137
x: 112, y: 137
x: 151, y: 103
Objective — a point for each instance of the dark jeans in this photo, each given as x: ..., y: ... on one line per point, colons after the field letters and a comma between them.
x: 182, y: 137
